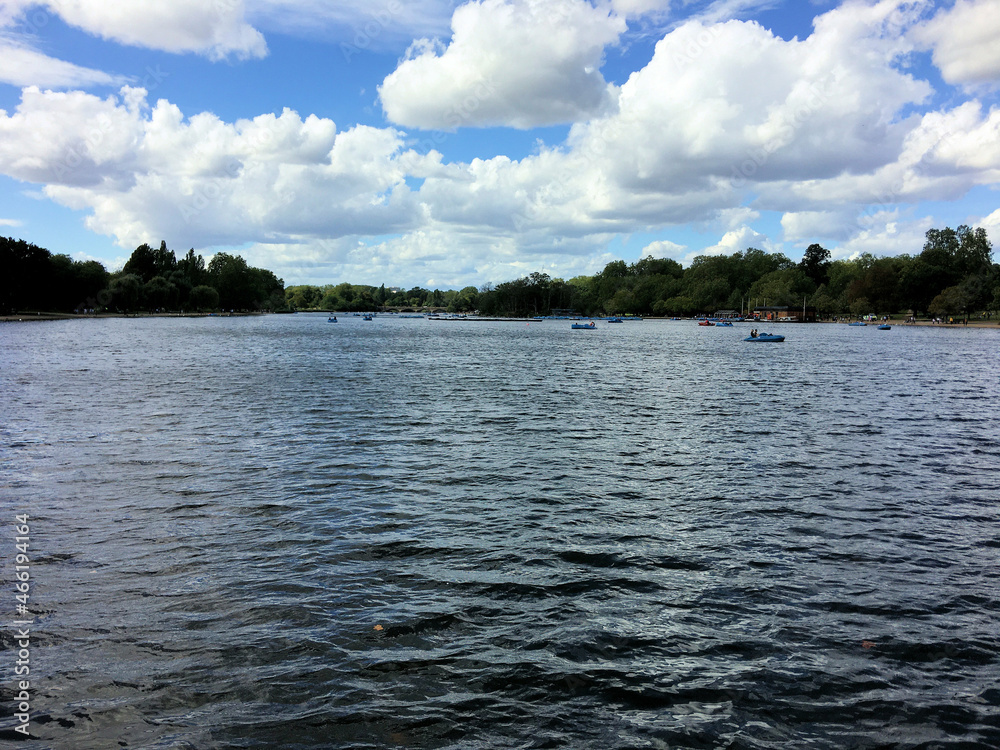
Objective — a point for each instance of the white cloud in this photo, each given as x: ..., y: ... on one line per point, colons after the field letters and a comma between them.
x: 216, y: 29
x: 149, y: 173
x: 963, y: 40
x: 800, y: 226
x: 521, y: 63
x: 991, y: 224
x: 664, y: 249
x: 361, y: 24
x: 737, y: 241
x: 884, y: 233
x: 25, y: 66
x: 11, y: 223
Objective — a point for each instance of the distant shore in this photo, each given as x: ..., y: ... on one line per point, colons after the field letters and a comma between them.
x: 25, y: 317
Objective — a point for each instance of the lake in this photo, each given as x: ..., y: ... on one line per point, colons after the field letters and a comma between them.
x: 275, y: 531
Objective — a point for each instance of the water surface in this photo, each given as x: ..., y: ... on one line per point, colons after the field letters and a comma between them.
x: 279, y: 532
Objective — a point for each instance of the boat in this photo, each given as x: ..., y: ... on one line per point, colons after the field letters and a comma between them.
x: 765, y: 338
x: 332, y: 320
x: 885, y: 327
x: 367, y: 317
x: 615, y: 320
x: 705, y: 323
x: 857, y: 323
x: 585, y: 326
x: 724, y: 324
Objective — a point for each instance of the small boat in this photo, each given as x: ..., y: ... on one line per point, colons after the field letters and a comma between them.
x: 705, y: 323
x: 885, y: 327
x: 724, y: 324
x: 615, y: 320
x: 367, y: 317
x: 857, y: 323
x: 332, y: 320
x: 584, y: 326
x: 765, y: 338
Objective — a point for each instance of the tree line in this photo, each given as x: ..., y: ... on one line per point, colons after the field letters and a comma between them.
x: 32, y: 278
x: 954, y: 274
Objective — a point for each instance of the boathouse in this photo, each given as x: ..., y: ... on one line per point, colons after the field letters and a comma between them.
x: 785, y: 314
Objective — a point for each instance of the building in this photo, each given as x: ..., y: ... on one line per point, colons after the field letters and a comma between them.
x: 785, y: 314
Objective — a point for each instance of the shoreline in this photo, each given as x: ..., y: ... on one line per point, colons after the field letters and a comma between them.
x: 28, y: 317
x: 37, y: 316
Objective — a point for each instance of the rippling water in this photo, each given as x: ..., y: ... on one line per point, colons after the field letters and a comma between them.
x: 277, y: 532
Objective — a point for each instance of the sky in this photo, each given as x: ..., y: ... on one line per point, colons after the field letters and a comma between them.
x: 446, y: 144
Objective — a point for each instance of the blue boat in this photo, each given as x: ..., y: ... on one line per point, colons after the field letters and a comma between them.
x: 584, y: 326
x: 858, y: 323
x: 615, y: 320
x: 332, y: 320
x: 723, y: 324
x: 367, y: 317
x: 765, y: 338
x: 885, y: 327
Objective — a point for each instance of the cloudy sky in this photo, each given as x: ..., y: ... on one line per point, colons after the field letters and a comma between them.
x: 447, y: 143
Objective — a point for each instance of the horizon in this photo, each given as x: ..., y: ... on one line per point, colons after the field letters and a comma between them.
x: 445, y: 144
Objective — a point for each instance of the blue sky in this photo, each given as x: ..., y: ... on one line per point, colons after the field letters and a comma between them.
x: 446, y: 144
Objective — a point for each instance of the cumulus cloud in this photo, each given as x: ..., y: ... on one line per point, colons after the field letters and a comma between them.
x: 736, y: 241
x: 521, y: 63
x: 725, y: 121
x: 884, y: 233
x: 963, y: 40
x: 664, y: 249
x: 147, y: 172
x: 799, y: 226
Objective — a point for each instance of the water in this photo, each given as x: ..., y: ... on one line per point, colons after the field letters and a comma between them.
x: 278, y: 532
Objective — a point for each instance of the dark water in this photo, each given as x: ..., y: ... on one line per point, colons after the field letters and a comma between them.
x: 279, y: 532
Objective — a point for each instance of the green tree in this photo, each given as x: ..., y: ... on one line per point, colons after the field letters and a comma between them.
x: 158, y: 293
x: 124, y: 293
x: 816, y: 263
x: 23, y: 274
x: 233, y: 280
x: 204, y: 297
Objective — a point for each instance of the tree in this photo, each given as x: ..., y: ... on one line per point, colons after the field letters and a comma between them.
x: 158, y: 293
x: 193, y: 268
x: 204, y: 298
x: 123, y: 292
x: 232, y: 279
x: 816, y: 263
x: 23, y: 274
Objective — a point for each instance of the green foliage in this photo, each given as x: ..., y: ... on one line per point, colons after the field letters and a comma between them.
x: 954, y: 272
x: 203, y: 298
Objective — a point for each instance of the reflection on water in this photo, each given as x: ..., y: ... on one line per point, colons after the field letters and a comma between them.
x: 274, y: 532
